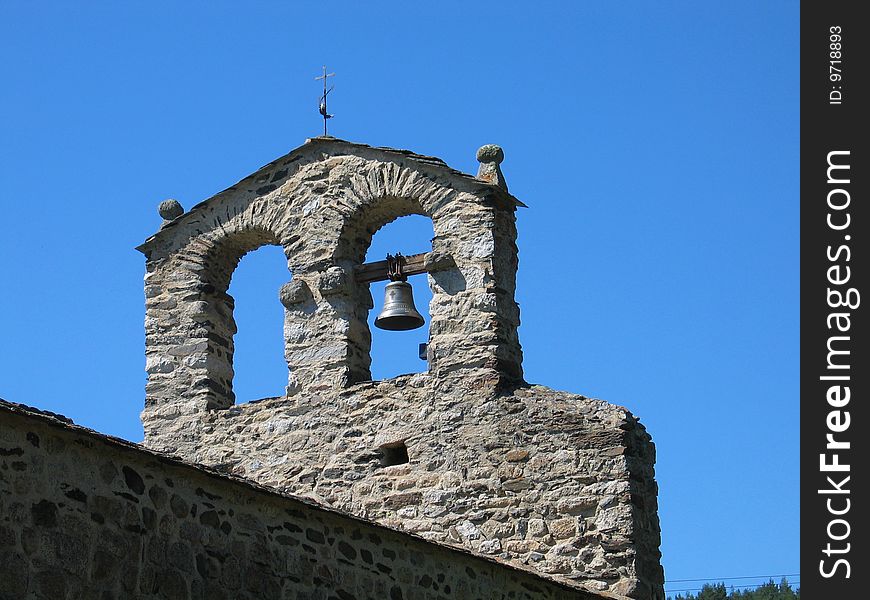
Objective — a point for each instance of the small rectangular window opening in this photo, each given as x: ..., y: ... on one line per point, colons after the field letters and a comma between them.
x: 394, y: 454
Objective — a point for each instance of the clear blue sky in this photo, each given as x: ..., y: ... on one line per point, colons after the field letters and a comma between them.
x: 656, y: 145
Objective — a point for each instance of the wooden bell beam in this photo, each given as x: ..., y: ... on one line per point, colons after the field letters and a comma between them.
x: 379, y: 271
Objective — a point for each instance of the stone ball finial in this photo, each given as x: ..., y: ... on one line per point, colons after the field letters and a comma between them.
x: 490, y: 156
x: 170, y: 209
x: 490, y: 153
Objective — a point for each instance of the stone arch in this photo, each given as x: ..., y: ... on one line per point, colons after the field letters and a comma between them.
x: 399, y: 353
x: 322, y: 204
x: 190, y: 324
x: 353, y: 245
x: 456, y: 274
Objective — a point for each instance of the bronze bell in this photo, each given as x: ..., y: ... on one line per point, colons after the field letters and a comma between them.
x: 399, y: 312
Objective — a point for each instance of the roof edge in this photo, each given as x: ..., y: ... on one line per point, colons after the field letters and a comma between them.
x: 59, y: 421
x: 339, y: 147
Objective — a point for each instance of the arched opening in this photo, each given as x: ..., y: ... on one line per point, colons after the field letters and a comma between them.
x: 397, y: 352
x: 258, y: 358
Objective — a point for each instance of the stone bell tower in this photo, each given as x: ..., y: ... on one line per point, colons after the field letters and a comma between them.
x: 466, y: 453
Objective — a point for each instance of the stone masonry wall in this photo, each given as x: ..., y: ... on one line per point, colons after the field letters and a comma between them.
x: 547, y: 480
x: 83, y: 516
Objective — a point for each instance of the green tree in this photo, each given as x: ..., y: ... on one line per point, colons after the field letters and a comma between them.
x: 714, y: 591
x: 767, y: 591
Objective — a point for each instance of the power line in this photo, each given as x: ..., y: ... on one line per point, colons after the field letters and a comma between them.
x: 728, y: 578
x: 743, y: 586
x: 693, y: 590
x: 748, y: 585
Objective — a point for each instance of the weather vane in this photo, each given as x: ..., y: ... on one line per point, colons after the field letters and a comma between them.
x: 323, y: 112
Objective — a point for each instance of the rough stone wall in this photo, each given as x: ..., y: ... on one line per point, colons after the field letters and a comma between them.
x: 553, y: 481
x: 85, y: 516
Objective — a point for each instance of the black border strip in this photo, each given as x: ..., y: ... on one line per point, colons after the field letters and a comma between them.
x: 835, y: 225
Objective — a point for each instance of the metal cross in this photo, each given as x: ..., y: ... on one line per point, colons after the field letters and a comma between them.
x: 323, y: 112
